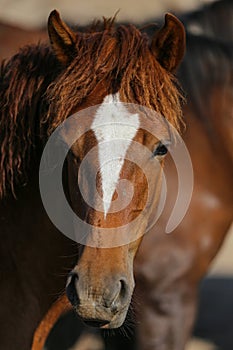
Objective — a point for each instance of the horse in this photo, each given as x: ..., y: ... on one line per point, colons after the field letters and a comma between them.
x: 40, y: 87
x: 169, y: 268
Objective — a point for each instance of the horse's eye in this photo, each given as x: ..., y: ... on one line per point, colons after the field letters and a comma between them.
x: 160, y: 150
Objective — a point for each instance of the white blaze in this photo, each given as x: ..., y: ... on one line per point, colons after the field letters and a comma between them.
x: 113, y: 122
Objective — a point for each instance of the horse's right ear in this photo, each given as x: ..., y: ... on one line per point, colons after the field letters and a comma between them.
x: 168, y: 44
x: 62, y: 38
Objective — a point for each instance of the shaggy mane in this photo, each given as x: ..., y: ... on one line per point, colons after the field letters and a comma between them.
x: 37, y: 94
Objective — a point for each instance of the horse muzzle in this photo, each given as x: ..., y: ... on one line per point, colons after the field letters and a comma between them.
x: 103, y: 304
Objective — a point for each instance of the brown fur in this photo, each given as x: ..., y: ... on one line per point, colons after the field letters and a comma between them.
x: 121, y: 56
x: 23, y: 80
x: 117, y: 55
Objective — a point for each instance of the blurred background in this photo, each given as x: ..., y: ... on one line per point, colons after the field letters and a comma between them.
x: 23, y: 22
x: 25, y: 19
x: 33, y: 13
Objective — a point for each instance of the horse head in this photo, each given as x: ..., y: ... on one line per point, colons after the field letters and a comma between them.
x: 114, y: 69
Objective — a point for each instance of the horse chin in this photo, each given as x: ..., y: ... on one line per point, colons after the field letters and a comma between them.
x: 116, y: 322
x: 113, y: 322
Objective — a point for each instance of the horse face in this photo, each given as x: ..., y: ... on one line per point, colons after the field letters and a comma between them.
x: 101, y: 285
x: 124, y: 173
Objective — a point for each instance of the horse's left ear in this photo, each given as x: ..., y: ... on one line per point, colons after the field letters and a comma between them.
x: 168, y: 44
x: 62, y: 38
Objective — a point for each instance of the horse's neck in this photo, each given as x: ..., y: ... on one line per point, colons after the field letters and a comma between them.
x: 31, y: 265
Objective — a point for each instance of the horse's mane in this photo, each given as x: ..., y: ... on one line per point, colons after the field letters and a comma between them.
x: 123, y: 60
x: 37, y: 94
x: 206, y: 65
x: 23, y: 82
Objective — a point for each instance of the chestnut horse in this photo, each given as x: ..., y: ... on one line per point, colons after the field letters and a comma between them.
x: 168, y: 268
x: 41, y: 87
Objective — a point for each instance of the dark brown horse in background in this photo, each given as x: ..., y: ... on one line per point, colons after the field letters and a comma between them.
x: 213, y: 20
x: 13, y: 38
x: 39, y: 88
x: 171, y: 267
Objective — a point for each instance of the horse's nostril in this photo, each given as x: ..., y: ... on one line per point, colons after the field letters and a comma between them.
x: 95, y: 322
x: 124, y: 290
x: 71, y: 290
x: 121, y: 297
